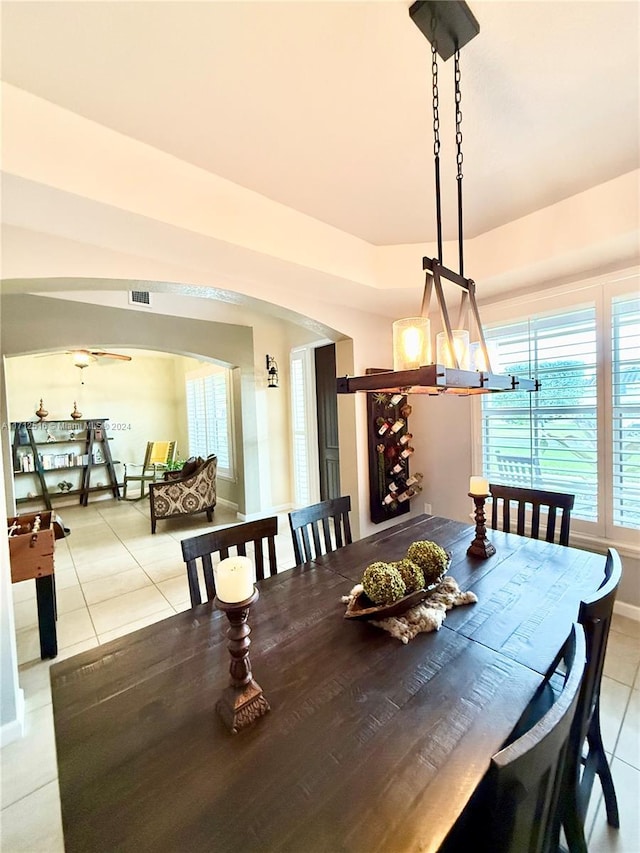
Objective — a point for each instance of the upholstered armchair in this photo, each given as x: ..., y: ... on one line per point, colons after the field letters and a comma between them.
x: 185, y: 493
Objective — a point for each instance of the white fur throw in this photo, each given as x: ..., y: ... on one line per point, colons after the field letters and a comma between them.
x: 426, y: 616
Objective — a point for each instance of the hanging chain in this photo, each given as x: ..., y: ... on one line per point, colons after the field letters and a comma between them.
x: 436, y: 131
x: 458, y: 116
x: 434, y: 89
x: 458, y: 98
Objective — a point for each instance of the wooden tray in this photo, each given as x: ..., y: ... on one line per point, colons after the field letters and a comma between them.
x: 361, y: 607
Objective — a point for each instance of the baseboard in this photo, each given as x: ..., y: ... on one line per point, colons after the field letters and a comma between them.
x: 15, y: 729
x: 227, y: 504
x: 628, y: 610
x: 274, y: 510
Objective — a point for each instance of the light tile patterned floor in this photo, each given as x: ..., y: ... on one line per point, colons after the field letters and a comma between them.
x: 114, y: 577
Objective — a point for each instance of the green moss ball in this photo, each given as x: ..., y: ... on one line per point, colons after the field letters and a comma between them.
x: 432, y: 559
x: 411, y: 574
x: 383, y: 583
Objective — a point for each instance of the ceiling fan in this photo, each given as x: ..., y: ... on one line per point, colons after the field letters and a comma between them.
x: 83, y: 357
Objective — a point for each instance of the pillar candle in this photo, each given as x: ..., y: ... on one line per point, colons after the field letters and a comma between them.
x: 234, y: 579
x: 478, y: 486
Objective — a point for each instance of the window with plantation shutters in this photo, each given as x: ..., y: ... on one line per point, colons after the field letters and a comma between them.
x: 208, y: 415
x: 580, y: 433
x: 547, y: 439
x: 625, y: 359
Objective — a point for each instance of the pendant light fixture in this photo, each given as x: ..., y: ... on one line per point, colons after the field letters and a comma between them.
x: 461, y: 363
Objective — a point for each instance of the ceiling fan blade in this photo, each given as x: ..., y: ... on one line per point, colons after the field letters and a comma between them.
x: 92, y: 354
x: 100, y: 354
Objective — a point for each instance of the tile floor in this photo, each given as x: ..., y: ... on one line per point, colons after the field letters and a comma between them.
x: 138, y: 579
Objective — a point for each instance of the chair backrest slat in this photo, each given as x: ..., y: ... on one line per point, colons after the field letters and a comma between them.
x: 312, y: 528
x: 306, y: 545
x: 326, y: 530
x: 221, y: 542
x: 271, y: 544
x: 194, y: 586
x: 209, y: 582
x: 506, y: 516
x: 564, y: 527
x: 338, y: 531
x: 537, y: 500
x: 520, y: 525
x: 259, y: 557
x: 315, y: 530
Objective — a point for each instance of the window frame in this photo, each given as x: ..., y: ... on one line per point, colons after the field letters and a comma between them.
x: 226, y: 473
x: 599, y: 291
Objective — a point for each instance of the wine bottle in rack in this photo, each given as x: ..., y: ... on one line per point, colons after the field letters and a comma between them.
x: 413, y: 480
x: 382, y: 425
x: 409, y: 493
x: 397, y: 425
x: 406, y: 438
x: 404, y: 454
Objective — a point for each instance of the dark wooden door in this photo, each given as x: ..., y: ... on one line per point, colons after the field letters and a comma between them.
x: 327, y: 408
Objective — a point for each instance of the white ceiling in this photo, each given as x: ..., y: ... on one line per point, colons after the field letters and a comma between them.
x: 325, y: 106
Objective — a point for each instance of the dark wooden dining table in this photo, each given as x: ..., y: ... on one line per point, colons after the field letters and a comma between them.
x: 370, y: 745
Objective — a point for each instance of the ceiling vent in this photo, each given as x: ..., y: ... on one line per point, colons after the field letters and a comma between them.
x: 140, y: 297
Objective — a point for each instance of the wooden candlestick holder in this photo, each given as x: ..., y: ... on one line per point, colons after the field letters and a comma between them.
x: 242, y: 703
x: 480, y: 547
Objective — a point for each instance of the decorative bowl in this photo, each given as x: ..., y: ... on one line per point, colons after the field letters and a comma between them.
x: 361, y: 606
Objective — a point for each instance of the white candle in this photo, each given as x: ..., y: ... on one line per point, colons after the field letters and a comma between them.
x: 234, y: 579
x: 478, y: 486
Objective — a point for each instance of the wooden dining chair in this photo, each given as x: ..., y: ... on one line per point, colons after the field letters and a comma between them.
x: 517, y: 806
x: 551, y: 502
x: 220, y: 542
x: 595, y: 616
x: 312, y: 532
x: 525, y: 778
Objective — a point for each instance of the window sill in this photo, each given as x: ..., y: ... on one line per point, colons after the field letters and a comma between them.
x: 599, y: 544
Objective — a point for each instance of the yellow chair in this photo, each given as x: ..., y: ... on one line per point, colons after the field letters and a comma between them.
x: 156, y: 459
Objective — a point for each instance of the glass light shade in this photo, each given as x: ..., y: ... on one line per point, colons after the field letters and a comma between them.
x: 411, y: 343
x: 477, y: 360
x: 460, y: 345
x: 81, y: 359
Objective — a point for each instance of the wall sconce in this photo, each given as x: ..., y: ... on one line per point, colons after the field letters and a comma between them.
x: 272, y: 372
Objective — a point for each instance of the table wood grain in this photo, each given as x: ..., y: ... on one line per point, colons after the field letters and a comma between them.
x: 529, y: 591
x: 371, y: 746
